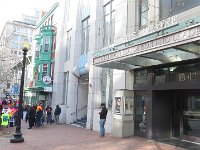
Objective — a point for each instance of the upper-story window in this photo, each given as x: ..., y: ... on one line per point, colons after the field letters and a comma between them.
x: 52, y: 20
x: 141, y: 76
x: 46, y: 43
x: 44, y: 69
x: 143, y: 8
x: 37, y: 50
x: 109, y: 23
x: 85, y: 35
x: 170, y: 8
x: 68, y: 44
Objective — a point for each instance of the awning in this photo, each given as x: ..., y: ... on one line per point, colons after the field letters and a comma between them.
x: 172, y: 47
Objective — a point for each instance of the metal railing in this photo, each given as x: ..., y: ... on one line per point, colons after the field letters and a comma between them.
x: 78, y: 110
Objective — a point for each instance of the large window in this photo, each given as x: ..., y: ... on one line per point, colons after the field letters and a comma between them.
x: 68, y: 45
x: 107, y: 87
x: 85, y: 35
x: 109, y: 24
x: 144, y: 8
x: 172, y: 7
x: 140, y: 113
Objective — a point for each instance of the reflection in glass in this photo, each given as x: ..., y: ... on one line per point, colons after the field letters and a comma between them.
x: 140, y: 113
x: 191, y: 122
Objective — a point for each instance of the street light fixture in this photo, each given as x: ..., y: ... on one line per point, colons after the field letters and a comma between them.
x: 18, y: 135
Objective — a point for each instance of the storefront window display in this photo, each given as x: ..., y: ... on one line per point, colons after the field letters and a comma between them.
x: 129, y: 106
x: 118, y: 105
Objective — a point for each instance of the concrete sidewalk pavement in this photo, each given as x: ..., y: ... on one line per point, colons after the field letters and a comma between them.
x: 68, y: 137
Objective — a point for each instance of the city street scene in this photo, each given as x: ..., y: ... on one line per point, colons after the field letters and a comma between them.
x: 100, y: 74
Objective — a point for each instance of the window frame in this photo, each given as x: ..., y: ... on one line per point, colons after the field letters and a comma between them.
x: 85, y: 35
x: 109, y: 23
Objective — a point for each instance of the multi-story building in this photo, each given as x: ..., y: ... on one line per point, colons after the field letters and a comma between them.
x: 40, y: 87
x: 140, y: 57
x: 13, y: 35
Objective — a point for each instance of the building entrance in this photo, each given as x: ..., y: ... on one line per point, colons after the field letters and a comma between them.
x: 186, y: 116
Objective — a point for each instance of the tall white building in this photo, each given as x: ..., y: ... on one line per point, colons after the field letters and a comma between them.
x: 140, y: 57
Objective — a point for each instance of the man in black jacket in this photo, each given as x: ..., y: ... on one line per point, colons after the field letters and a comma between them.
x: 102, y: 120
x: 31, y: 116
x: 57, y: 113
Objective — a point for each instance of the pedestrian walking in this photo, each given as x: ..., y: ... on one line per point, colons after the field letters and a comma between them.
x: 102, y: 120
x: 49, y: 114
x: 31, y: 119
x: 39, y: 113
x: 57, y: 113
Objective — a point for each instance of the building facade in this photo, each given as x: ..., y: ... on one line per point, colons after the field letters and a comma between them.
x: 159, y: 44
x: 140, y: 57
x: 13, y: 35
x: 40, y: 87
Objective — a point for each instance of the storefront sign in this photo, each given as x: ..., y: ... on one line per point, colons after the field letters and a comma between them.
x: 147, y: 30
x: 47, y: 80
x: 188, y: 76
x: 47, y: 89
x: 152, y: 45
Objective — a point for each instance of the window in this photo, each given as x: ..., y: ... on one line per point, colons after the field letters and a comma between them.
x: 54, y: 44
x: 107, y: 87
x: 68, y: 45
x: 52, y: 70
x: 161, y: 75
x: 109, y: 24
x: 46, y: 43
x: 141, y: 76
x: 173, y: 7
x: 85, y: 36
x: 37, y: 50
x: 66, y: 82
x: 44, y: 70
x: 140, y: 113
x: 52, y: 20
x: 143, y: 12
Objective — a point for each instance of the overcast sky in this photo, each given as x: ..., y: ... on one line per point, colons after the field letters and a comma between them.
x: 13, y: 9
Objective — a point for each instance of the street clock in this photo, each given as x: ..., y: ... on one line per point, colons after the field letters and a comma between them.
x: 47, y: 80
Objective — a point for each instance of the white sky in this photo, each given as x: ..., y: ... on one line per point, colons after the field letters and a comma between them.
x: 13, y: 9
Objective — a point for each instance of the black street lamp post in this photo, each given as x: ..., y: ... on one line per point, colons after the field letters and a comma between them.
x: 18, y: 135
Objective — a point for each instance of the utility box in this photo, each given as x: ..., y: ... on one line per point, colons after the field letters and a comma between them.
x: 123, y: 121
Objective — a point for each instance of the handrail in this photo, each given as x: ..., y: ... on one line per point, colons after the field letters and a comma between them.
x: 78, y: 110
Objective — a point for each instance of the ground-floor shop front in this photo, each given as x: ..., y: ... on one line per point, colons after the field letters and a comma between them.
x: 167, y: 102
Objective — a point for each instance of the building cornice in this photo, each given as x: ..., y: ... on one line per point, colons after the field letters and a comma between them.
x: 47, y: 14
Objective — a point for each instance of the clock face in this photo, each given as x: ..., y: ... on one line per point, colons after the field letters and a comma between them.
x: 47, y: 80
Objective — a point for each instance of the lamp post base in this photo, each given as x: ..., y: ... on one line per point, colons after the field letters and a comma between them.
x: 17, y: 138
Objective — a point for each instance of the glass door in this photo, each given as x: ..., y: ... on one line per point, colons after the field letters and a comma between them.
x: 191, y: 118
x: 140, y: 115
x: 176, y: 115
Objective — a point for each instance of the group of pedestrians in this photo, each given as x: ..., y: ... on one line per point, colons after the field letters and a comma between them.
x: 37, y: 115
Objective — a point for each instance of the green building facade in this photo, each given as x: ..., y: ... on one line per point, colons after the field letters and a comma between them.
x: 40, y: 88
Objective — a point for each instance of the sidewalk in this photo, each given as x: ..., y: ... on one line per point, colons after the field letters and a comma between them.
x: 68, y: 137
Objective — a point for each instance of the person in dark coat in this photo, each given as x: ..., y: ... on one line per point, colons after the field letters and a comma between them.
x: 31, y: 117
x: 102, y: 120
x: 57, y: 113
